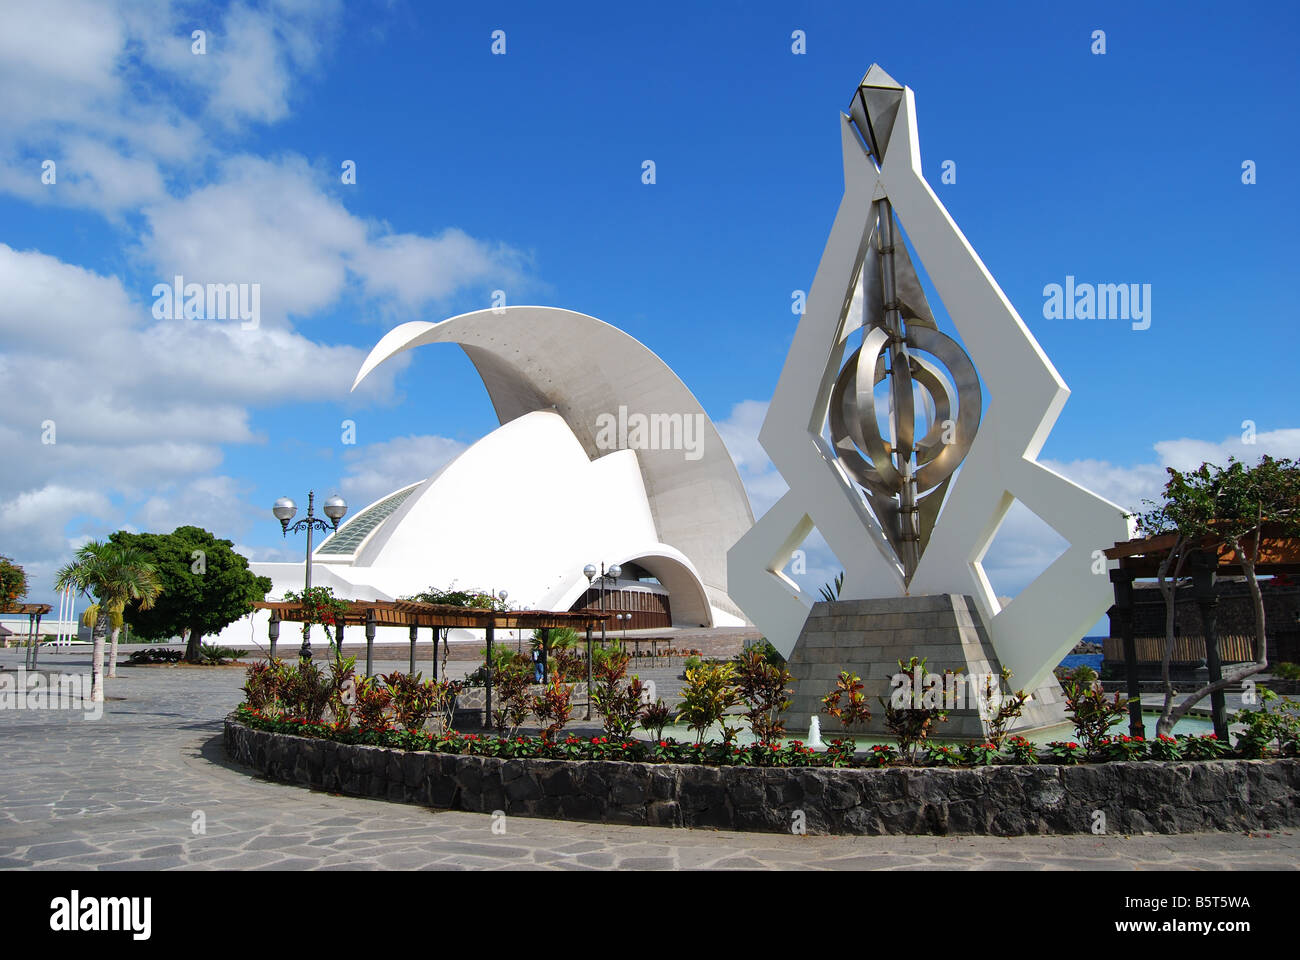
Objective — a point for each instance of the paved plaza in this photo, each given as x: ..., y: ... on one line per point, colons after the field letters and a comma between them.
x: 131, y: 791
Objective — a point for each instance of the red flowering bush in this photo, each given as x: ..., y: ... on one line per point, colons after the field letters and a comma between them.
x: 1067, y: 752
x: 1165, y: 747
x: 1122, y: 747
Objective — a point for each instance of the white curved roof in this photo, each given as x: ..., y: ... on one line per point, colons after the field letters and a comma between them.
x: 546, y: 358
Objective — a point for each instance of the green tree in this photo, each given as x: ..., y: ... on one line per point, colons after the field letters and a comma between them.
x: 206, y: 586
x: 13, y: 582
x: 114, y: 574
x: 1210, y: 507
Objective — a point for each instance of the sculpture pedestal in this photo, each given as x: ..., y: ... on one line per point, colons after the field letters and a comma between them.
x: 869, y: 637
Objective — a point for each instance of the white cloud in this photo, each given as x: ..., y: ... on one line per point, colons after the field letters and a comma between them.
x: 112, y: 92
x: 377, y: 469
x: 216, y: 503
x: 272, y: 223
x: 36, y: 519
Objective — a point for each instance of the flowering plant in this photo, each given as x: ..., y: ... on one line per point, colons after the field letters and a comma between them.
x: 1021, y: 749
x: 1165, y: 747
x: 1122, y: 747
x: 1065, y: 751
x: 943, y: 754
x: 881, y: 755
x: 1207, y: 746
x: 979, y: 754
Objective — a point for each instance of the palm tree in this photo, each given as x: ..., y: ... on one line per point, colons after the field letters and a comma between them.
x: 115, y: 575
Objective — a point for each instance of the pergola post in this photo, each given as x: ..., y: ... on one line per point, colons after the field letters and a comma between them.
x: 546, y: 654
x: 36, y: 639
x: 588, y: 670
x: 436, y: 632
x: 414, y: 633
x: 1203, y: 576
x: 487, y: 684
x: 370, y: 643
x: 28, y: 662
x: 338, y: 637
x: 1122, y: 583
x: 273, y: 632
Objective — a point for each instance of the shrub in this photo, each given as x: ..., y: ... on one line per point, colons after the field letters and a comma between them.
x: 847, y: 703
x: 708, y: 694
x: 1286, y: 671
x: 1067, y: 752
x: 343, y: 692
x: 1206, y: 746
x: 569, y: 665
x: 1021, y: 749
x: 156, y: 655
x: 510, y: 682
x: 762, y: 686
x: 655, y: 717
x: 997, y: 711
x: 215, y: 656
x: 373, y: 700
x: 1122, y: 747
x: 414, y: 700
x: 912, y: 726
x: 618, y: 701
x: 262, y: 684
x: 553, y: 707
x: 943, y: 754
x: 306, y: 691
x: 980, y: 754
x: 881, y: 755
x: 1265, y: 726
x: 1165, y: 747
x: 1091, y: 714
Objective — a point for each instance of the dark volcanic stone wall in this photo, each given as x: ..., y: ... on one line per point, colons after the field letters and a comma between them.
x: 1000, y: 800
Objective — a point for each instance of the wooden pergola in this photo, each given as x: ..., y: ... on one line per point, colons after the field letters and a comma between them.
x: 372, y: 614
x: 34, y: 612
x: 1207, y: 559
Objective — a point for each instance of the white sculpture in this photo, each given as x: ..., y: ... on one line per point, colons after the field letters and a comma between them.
x: 868, y: 494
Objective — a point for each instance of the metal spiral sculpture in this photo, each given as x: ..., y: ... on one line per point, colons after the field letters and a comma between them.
x: 904, y: 478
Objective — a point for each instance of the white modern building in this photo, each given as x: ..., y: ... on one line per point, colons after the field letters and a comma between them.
x: 602, y: 456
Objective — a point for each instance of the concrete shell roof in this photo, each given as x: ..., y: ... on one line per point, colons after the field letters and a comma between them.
x: 543, y: 358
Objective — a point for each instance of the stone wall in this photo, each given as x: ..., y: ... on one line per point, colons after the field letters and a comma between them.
x: 869, y: 637
x: 1001, y: 800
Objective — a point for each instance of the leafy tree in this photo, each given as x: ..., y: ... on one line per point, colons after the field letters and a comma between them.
x: 115, y: 574
x: 206, y: 586
x: 1208, y: 508
x: 13, y: 582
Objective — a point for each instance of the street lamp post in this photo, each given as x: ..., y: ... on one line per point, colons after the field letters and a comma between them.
x: 284, y: 509
x: 589, y: 571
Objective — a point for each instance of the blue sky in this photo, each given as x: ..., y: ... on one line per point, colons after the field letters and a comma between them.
x: 522, y: 172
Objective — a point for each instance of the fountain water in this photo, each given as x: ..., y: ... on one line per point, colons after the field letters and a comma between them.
x: 815, y: 733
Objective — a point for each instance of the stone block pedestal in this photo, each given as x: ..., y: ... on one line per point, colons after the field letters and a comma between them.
x: 869, y: 637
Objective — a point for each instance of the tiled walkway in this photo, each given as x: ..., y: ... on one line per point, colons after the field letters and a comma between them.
x: 129, y: 791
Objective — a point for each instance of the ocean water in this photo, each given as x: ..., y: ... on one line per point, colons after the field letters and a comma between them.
x: 1083, y: 660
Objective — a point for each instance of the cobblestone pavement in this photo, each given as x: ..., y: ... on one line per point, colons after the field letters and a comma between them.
x: 127, y: 792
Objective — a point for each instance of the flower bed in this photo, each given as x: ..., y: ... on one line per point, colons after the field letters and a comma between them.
x: 773, y: 788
